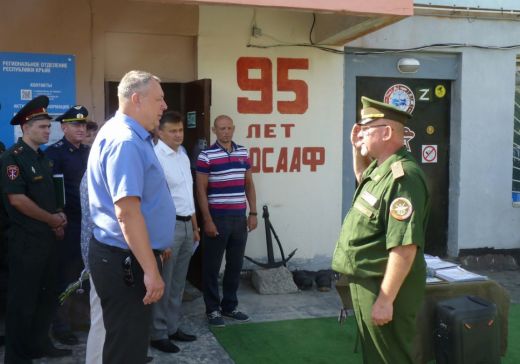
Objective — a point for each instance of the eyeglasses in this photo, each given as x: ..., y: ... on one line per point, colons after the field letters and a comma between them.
x: 128, y: 276
x: 364, y: 129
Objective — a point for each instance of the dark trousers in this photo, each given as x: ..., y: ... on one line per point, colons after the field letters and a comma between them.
x: 126, y: 318
x: 70, y: 266
x: 32, y: 294
x: 231, y: 239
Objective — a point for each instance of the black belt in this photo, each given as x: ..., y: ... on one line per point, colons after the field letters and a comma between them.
x: 115, y: 249
x: 183, y: 218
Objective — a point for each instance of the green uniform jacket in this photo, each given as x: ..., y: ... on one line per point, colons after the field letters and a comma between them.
x: 27, y: 172
x: 390, y: 208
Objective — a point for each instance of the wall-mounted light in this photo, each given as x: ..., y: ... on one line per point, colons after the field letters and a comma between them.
x: 408, y: 65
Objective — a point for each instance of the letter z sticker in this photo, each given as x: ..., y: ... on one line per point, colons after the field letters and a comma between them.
x: 13, y: 172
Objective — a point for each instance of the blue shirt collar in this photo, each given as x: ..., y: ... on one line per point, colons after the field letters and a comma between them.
x: 134, y: 125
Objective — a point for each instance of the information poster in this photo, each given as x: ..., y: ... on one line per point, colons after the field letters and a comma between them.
x: 23, y: 76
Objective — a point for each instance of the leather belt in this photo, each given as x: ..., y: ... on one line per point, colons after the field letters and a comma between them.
x: 116, y: 249
x: 183, y: 218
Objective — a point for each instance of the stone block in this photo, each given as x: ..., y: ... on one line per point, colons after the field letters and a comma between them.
x: 273, y: 281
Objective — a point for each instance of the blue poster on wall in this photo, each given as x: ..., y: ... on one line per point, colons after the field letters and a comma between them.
x: 23, y: 76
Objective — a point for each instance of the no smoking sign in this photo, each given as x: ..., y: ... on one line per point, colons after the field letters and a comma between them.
x: 429, y: 154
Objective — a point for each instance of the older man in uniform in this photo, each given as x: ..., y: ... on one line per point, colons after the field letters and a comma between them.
x: 133, y: 215
x: 70, y: 157
x: 34, y: 225
x: 381, y: 243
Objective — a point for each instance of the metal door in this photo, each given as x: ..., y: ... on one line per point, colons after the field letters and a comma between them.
x: 427, y: 137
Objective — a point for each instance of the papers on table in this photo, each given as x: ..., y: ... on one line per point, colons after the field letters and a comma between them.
x: 435, y: 263
x: 434, y: 280
x: 448, y: 271
x: 458, y: 274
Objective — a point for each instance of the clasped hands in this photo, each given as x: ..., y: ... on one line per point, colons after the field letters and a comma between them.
x: 58, y: 223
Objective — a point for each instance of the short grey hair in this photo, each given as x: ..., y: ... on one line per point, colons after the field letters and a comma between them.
x: 134, y: 81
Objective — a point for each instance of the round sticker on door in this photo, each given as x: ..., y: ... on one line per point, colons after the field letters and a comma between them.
x: 440, y: 91
x: 401, y: 96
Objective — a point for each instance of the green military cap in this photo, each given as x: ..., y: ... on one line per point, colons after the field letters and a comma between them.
x: 373, y: 110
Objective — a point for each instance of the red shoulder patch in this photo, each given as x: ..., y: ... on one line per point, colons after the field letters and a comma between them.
x: 13, y: 172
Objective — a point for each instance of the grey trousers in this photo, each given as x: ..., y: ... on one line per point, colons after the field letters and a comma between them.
x: 167, y: 311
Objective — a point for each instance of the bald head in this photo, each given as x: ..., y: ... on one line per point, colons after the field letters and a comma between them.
x: 222, y: 118
x: 223, y: 128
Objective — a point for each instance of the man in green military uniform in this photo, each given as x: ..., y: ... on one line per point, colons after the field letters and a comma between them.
x: 34, y: 224
x: 381, y: 243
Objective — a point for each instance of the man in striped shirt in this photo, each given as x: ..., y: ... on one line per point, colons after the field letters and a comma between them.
x: 224, y: 183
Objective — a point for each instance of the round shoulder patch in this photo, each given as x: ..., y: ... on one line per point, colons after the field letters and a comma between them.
x: 401, y: 208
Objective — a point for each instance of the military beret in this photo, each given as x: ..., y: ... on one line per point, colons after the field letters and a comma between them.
x: 35, y: 109
x: 373, y: 110
x: 76, y: 114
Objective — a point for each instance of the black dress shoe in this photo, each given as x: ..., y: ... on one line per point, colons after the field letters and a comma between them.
x: 66, y: 338
x: 148, y: 359
x: 165, y: 346
x: 182, y: 336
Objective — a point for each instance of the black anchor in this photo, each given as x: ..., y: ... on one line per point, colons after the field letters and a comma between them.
x: 271, y: 263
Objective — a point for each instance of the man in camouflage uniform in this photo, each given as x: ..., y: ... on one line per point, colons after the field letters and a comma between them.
x: 381, y: 244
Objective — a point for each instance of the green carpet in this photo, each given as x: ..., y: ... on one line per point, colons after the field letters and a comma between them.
x: 316, y: 341
x: 513, y: 349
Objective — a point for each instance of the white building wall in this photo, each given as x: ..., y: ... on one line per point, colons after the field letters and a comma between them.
x: 485, y: 215
x: 305, y: 205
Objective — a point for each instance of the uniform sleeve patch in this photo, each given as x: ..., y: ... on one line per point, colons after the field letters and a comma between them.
x: 401, y: 208
x: 13, y: 172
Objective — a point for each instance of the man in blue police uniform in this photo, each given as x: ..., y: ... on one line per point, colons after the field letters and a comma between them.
x: 34, y: 224
x: 133, y: 215
x: 70, y: 157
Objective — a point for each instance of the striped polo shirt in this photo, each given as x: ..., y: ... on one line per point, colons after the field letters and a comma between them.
x: 226, y: 181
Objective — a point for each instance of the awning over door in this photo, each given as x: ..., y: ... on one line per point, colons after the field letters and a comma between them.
x: 337, y: 21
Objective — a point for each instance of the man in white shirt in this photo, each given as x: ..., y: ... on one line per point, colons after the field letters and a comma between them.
x: 176, y: 166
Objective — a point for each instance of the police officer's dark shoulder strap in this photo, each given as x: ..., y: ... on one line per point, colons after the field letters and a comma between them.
x: 17, y: 150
